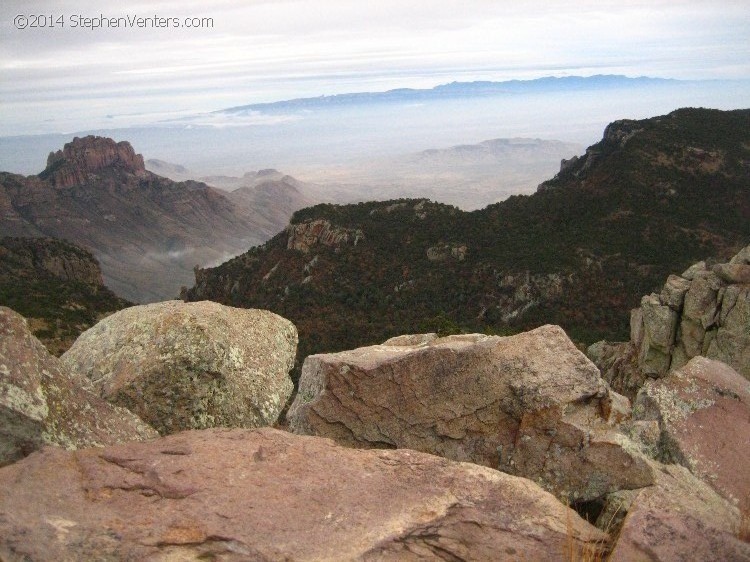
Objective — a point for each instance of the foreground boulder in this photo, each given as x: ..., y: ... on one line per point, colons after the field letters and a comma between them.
x: 530, y: 404
x: 42, y: 402
x: 268, y: 495
x: 190, y: 365
x: 679, y: 518
x: 703, y: 414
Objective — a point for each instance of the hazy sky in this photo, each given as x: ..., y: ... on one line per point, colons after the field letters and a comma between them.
x: 70, y: 78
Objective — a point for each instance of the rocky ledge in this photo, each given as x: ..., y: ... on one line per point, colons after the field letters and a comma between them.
x: 268, y: 495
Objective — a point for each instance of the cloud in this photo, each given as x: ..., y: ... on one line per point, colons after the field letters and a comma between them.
x: 269, y: 50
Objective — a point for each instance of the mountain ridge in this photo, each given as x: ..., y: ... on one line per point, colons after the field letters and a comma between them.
x: 456, y: 89
x: 580, y: 252
x: 57, y: 286
x: 147, y: 232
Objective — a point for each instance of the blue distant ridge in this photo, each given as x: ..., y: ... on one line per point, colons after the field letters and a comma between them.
x: 460, y: 90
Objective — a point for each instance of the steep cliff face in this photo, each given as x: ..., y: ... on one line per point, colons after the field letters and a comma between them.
x: 47, y: 256
x: 83, y: 157
x: 56, y: 285
x: 305, y: 236
x: 147, y: 232
x: 657, y: 195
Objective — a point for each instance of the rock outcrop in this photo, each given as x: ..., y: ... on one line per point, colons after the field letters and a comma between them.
x: 88, y: 155
x: 268, y: 495
x: 306, y: 235
x: 57, y: 258
x: 442, y: 252
x: 146, y: 231
x: 703, y: 312
x: 530, y: 404
x: 703, y: 413
x: 679, y: 518
x: 57, y: 286
x: 190, y: 365
x: 42, y: 402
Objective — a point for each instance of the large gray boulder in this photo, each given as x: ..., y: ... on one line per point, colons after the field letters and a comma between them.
x: 190, y: 365
x: 43, y: 403
x: 530, y: 404
x: 267, y: 495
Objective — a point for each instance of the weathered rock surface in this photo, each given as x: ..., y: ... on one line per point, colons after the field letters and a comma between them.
x: 268, y: 495
x: 618, y: 363
x: 680, y: 518
x: 703, y: 412
x: 708, y: 314
x: 304, y: 236
x: 705, y: 311
x: 530, y: 404
x: 84, y: 156
x: 190, y: 365
x: 42, y: 402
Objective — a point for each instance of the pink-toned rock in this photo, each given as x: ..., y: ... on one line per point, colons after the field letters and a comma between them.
x: 268, y: 495
x: 618, y: 363
x: 703, y: 412
x: 43, y: 402
x: 84, y: 156
x: 530, y: 404
x: 680, y: 518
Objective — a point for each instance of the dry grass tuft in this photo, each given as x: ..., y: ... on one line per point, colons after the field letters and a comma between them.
x: 595, y: 551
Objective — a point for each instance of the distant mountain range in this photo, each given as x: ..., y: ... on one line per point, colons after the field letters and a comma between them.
x: 470, y: 176
x: 457, y: 90
x: 652, y: 197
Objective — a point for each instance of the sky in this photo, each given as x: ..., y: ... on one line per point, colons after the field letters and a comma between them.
x: 58, y: 74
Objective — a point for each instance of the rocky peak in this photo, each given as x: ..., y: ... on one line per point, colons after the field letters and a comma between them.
x: 621, y: 131
x: 89, y: 155
x: 616, y: 135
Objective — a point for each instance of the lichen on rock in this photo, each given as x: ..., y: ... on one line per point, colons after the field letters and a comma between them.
x: 191, y: 365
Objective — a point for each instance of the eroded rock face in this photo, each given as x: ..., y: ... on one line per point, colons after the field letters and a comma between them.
x: 705, y: 311
x: 190, y: 365
x: 268, y: 495
x: 305, y: 235
x: 42, y: 402
x: 618, y: 363
x: 703, y: 412
x: 83, y: 156
x: 680, y: 518
x: 530, y: 404
x: 49, y: 255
